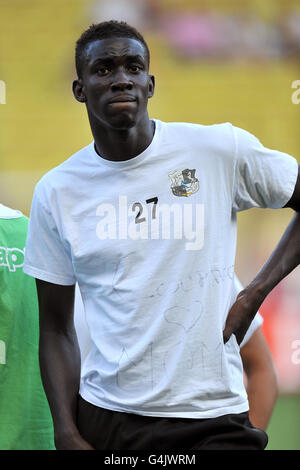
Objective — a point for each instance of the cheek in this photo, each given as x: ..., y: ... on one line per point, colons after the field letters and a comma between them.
x: 96, y: 87
x: 95, y: 96
x: 146, y: 90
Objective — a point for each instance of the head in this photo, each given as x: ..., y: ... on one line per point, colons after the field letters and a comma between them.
x: 112, y: 64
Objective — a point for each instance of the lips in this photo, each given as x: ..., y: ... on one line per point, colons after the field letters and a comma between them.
x: 122, y: 99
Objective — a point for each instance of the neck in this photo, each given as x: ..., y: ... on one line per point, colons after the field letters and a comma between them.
x: 119, y: 145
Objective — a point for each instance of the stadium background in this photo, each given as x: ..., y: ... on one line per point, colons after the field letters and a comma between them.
x: 214, y: 61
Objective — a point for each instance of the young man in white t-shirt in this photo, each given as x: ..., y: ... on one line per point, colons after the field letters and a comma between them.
x: 144, y: 219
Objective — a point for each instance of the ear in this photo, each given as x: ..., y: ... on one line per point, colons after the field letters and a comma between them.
x: 151, y: 86
x: 78, y: 91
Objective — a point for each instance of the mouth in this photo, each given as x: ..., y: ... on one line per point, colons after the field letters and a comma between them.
x: 122, y: 99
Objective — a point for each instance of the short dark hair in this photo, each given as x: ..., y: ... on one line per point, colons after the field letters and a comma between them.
x: 105, y: 30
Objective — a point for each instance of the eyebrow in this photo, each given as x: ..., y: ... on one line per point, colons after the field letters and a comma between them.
x: 110, y: 59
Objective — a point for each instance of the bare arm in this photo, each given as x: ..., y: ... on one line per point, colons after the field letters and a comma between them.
x: 262, y: 383
x: 284, y: 258
x: 59, y: 356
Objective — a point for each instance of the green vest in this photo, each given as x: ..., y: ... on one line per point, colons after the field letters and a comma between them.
x: 25, y: 419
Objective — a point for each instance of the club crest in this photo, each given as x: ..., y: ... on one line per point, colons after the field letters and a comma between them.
x: 184, y: 183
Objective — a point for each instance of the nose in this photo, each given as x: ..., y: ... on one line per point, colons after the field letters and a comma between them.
x: 121, y: 82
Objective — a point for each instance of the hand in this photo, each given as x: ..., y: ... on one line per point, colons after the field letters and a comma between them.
x: 72, y: 442
x: 242, y: 313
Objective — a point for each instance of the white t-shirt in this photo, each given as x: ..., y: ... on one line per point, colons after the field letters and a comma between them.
x: 84, y: 337
x: 151, y: 242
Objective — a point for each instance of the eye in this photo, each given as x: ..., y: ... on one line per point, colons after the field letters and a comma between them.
x: 102, y: 70
x: 134, y: 68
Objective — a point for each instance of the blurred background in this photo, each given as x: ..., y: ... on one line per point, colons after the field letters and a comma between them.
x: 214, y: 61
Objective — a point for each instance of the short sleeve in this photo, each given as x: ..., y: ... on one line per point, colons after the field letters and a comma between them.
x: 46, y: 256
x: 263, y: 177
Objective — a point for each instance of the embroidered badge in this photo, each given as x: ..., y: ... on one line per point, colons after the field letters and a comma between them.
x: 184, y: 183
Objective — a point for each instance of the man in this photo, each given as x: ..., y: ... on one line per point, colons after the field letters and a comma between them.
x: 155, y: 269
x: 25, y: 422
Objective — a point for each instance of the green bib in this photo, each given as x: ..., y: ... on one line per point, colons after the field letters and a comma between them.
x: 25, y: 419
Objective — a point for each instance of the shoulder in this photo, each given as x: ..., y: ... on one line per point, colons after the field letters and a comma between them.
x: 196, y: 128
x: 219, y: 136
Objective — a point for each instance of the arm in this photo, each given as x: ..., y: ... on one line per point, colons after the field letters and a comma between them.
x: 60, y: 362
x: 282, y: 261
x: 262, y: 383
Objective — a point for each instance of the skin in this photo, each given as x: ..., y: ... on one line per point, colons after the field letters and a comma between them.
x: 61, y: 375
x: 117, y: 69
x: 262, y: 382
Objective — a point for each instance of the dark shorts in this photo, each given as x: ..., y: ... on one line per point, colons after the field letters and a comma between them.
x: 112, y: 430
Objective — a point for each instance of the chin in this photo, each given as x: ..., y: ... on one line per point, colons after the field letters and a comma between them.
x: 123, y: 122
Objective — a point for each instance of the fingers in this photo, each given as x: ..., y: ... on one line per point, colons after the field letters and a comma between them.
x: 239, y: 318
x: 227, y: 334
x: 233, y: 322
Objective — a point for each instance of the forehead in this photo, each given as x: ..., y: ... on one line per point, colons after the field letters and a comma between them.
x: 114, y: 48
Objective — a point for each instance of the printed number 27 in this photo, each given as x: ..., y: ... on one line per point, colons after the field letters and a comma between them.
x: 140, y: 219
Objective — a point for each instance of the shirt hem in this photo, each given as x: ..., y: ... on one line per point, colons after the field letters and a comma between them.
x: 234, y: 409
